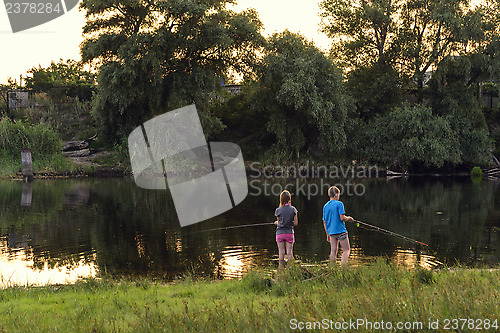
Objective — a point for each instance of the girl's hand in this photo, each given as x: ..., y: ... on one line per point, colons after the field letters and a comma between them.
x: 276, y: 222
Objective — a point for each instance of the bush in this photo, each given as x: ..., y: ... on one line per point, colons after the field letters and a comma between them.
x: 16, y: 135
x: 476, y: 172
x: 412, y: 135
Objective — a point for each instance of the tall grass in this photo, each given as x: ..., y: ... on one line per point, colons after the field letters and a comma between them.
x: 260, y: 302
x: 16, y: 135
x: 43, y: 142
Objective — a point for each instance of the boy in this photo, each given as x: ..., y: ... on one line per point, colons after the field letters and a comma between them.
x: 333, y: 221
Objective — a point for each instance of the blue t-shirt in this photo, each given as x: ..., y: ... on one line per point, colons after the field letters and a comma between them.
x: 331, y: 215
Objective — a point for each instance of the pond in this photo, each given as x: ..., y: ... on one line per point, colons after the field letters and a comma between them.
x: 59, y: 231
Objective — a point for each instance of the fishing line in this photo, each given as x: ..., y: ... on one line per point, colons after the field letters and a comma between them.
x: 358, y: 223
x: 235, y: 227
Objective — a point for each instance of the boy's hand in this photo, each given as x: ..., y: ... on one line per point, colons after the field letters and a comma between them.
x: 328, y: 238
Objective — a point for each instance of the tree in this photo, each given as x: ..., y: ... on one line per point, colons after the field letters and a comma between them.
x: 453, y: 94
x: 299, y: 94
x: 4, y: 96
x: 154, y: 56
x: 375, y: 89
x: 412, y: 36
x: 364, y: 31
x: 62, y: 79
x: 430, y: 31
x: 412, y: 136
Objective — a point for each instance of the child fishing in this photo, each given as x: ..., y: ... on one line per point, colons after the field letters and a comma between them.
x: 286, y: 219
x: 333, y: 221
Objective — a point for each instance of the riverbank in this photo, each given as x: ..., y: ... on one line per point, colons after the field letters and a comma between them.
x: 114, y: 164
x: 103, y: 164
x: 317, y: 297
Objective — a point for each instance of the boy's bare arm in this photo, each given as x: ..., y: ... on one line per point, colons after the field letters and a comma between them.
x: 345, y: 218
x: 327, y: 235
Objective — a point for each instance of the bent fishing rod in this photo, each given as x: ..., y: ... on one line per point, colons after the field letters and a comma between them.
x: 388, y: 232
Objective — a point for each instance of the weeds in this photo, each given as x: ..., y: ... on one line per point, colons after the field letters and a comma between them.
x: 260, y: 301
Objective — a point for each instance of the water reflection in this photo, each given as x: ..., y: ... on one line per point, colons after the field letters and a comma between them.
x: 78, y: 228
x: 17, y: 268
x: 237, y: 260
x: 27, y: 194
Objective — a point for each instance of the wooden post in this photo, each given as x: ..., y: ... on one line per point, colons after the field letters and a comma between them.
x: 27, y: 165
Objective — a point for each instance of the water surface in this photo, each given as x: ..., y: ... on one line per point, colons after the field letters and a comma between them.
x: 59, y: 231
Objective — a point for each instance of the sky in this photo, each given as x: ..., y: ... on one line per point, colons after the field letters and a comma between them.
x: 61, y: 37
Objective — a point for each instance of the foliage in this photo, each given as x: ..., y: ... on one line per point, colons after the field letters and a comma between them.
x: 364, y: 31
x: 490, y: 89
x: 16, y: 135
x: 61, y: 80
x: 411, y: 35
x: 4, y: 97
x: 299, y: 94
x: 383, y: 92
x: 432, y: 30
x: 476, y: 172
x: 413, y: 136
x: 243, y: 124
x: 154, y: 56
x: 453, y: 94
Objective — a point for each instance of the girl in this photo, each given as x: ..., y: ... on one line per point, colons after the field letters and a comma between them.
x: 287, y: 219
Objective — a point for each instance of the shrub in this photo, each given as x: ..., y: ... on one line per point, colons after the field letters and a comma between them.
x: 476, y: 172
x: 412, y: 135
x: 16, y: 135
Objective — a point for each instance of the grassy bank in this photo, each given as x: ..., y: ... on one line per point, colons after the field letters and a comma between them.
x: 259, y: 302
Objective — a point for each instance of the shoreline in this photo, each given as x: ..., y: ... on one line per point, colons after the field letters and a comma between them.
x: 297, y: 298
x: 254, y: 169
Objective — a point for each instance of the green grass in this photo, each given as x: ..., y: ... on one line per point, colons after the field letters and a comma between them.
x: 258, y: 302
x: 10, y: 166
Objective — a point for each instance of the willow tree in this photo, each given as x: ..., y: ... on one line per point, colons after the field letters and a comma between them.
x: 299, y: 94
x: 153, y: 56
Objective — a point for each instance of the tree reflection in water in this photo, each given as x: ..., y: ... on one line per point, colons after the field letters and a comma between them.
x: 83, y: 228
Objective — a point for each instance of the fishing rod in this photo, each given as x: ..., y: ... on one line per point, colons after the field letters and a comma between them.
x: 388, y: 232
x: 236, y: 226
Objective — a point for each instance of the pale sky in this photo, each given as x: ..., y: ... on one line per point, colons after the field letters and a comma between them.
x: 61, y: 37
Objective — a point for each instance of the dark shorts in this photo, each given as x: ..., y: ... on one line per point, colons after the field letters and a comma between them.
x: 289, y: 238
x: 340, y: 236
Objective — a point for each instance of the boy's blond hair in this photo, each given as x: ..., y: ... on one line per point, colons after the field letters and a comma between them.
x: 332, y: 191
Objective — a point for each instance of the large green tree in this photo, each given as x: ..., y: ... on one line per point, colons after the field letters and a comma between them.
x: 364, y: 31
x: 412, y: 36
x: 62, y: 79
x: 153, y: 56
x: 432, y: 30
x: 299, y: 94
